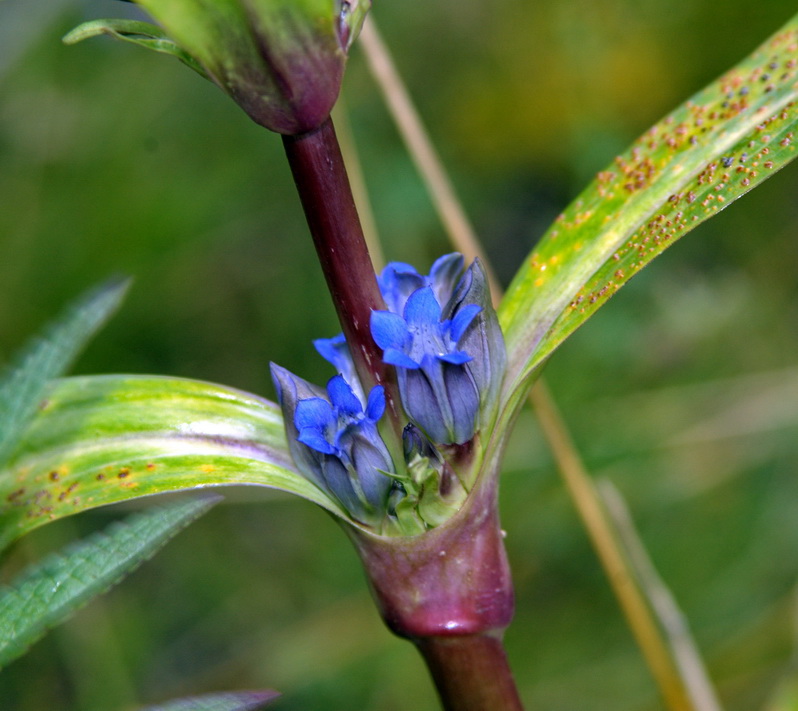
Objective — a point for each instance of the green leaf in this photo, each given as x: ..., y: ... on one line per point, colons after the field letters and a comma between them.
x: 57, y: 586
x: 230, y: 701
x: 143, y: 34
x: 23, y: 385
x: 104, y: 439
x: 720, y: 144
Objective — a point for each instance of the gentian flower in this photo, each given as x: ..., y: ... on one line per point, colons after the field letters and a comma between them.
x: 335, y: 351
x: 446, y: 345
x: 437, y: 392
x: 335, y: 443
x: 398, y: 281
x: 442, y: 336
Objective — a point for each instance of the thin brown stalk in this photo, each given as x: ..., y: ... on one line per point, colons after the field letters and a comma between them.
x: 636, y: 608
x: 421, y: 150
x: 659, y: 597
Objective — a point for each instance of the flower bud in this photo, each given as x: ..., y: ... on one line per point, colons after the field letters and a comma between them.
x: 281, y: 60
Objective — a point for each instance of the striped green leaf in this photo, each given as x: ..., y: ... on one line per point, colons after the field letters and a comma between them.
x: 230, y: 701
x: 104, y: 439
x: 710, y: 151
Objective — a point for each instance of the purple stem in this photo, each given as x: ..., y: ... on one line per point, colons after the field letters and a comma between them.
x: 471, y: 673
x: 320, y: 176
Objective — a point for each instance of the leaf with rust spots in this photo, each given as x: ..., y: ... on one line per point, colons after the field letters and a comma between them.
x: 710, y: 151
x: 114, y: 438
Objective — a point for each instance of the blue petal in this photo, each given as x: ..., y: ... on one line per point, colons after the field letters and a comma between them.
x: 422, y: 308
x: 420, y: 402
x: 337, y: 479
x: 376, y: 403
x: 313, y: 439
x: 392, y: 356
x: 397, y: 281
x: 389, y: 330
x: 332, y: 349
x: 342, y: 397
x: 455, y: 357
x: 313, y: 412
x: 444, y: 275
x: 397, y: 268
x: 464, y: 402
x: 463, y: 319
x: 369, y: 459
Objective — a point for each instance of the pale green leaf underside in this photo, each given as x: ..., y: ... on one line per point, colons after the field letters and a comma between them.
x: 23, y: 384
x: 230, y: 701
x: 104, y: 439
x: 57, y: 586
x: 142, y: 34
x: 720, y: 144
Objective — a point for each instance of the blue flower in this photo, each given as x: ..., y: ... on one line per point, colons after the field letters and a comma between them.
x: 335, y: 443
x: 437, y: 392
x: 335, y: 351
x: 442, y: 335
x: 398, y: 281
x: 445, y: 343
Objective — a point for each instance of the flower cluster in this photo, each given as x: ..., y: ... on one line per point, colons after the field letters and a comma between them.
x: 442, y: 336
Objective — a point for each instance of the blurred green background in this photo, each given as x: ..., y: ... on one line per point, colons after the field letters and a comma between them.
x: 683, y: 392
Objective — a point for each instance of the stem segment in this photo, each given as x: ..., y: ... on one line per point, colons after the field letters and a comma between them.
x: 471, y: 673
x: 321, y: 179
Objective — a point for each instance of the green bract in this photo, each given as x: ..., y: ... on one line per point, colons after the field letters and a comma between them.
x: 281, y: 60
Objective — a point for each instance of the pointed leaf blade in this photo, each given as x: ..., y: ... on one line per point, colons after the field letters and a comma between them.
x: 230, y: 701
x: 104, y: 439
x: 143, y: 34
x: 22, y: 386
x: 720, y: 144
x: 63, y: 582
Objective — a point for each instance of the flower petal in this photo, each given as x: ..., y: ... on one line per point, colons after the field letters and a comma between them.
x: 422, y: 308
x: 313, y: 439
x: 342, y: 397
x: 392, y: 356
x: 314, y: 413
x: 376, y: 403
x: 389, y: 330
x: 462, y: 320
x: 455, y: 357
x: 444, y: 274
x: 397, y: 281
